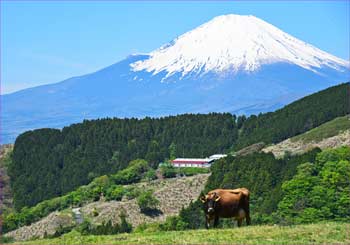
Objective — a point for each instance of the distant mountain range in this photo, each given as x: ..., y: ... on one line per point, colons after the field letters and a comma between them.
x: 233, y: 63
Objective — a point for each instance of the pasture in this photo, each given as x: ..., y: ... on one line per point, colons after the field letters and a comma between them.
x: 321, y: 233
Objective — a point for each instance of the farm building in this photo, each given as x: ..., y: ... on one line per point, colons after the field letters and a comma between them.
x: 192, y: 162
x: 196, y: 162
x: 217, y: 156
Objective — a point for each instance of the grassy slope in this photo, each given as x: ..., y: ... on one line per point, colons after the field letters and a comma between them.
x: 326, y: 130
x: 322, y: 233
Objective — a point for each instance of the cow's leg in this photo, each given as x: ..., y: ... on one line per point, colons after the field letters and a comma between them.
x: 216, y: 221
x: 239, y: 222
x: 208, y: 219
x: 247, y: 217
x: 247, y: 214
x: 207, y: 224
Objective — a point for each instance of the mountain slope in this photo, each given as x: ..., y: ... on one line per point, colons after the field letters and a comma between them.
x: 237, y: 64
x: 331, y: 134
x: 296, y: 118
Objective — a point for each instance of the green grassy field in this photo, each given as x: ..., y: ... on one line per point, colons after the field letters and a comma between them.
x: 322, y: 233
x: 326, y: 130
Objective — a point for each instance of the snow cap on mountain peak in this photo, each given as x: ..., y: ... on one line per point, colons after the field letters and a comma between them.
x: 231, y: 43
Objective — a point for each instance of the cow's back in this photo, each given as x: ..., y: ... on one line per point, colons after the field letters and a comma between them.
x: 230, y: 201
x: 237, y: 191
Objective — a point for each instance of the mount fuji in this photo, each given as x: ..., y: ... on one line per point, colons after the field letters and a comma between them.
x: 233, y: 63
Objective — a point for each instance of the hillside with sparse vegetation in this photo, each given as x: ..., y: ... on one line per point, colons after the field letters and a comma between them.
x: 331, y: 134
x: 172, y: 194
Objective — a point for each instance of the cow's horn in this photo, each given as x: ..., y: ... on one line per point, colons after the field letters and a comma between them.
x: 218, y: 198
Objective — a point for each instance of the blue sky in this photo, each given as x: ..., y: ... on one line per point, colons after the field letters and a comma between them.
x: 45, y: 42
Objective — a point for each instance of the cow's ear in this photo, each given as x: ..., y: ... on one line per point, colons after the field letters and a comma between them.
x: 218, y: 198
x: 203, y: 199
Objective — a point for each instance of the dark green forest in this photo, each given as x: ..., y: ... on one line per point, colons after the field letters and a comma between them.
x: 48, y: 162
x: 296, y: 118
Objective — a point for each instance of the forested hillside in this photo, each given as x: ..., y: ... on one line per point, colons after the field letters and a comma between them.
x: 319, y: 191
x: 332, y: 134
x: 50, y: 162
x: 297, y: 117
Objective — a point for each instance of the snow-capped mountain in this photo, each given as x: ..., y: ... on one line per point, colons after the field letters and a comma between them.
x: 234, y: 43
x: 233, y: 63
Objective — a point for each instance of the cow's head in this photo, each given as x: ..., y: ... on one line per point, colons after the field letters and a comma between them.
x: 210, y: 201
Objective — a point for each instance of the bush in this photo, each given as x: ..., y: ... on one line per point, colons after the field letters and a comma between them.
x: 60, y: 231
x: 173, y: 223
x: 150, y: 175
x: 124, y: 226
x: 168, y: 171
x: 106, y: 228
x: 190, y: 171
x: 132, y: 192
x: 147, y: 201
x: 132, y: 174
x: 4, y: 239
x: 115, y: 192
x: 148, y: 227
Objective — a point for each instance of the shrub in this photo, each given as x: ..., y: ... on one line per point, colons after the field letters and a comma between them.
x: 173, y: 223
x: 190, y: 171
x: 131, y: 174
x: 4, y: 239
x: 60, y: 231
x: 168, y: 171
x: 151, y: 175
x: 106, y: 228
x: 147, y: 201
x: 148, y: 227
x: 115, y: 192
x: 132, y: 192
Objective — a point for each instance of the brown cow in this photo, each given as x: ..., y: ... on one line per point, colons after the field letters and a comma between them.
x: 226, y: 203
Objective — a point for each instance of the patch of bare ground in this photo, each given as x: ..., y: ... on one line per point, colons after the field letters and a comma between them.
x: 300, y: 146
x: 46, y: 226
x: 173, y: 194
